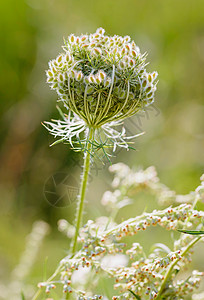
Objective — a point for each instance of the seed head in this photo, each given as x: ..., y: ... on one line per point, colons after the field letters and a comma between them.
x: 112, y: 68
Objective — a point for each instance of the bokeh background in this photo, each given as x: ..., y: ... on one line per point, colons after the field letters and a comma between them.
x: 32, y: 31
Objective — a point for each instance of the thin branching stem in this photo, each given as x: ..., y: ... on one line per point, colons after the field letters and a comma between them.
x: 38, y: 293
x: 168, y: 273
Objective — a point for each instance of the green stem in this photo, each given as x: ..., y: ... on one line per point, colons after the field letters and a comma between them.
x: 35, y: 297
x: 168, y: 273
x: 82, y: 194
x: 80, y: 205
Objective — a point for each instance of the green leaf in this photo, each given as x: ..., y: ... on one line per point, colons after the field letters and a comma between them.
x: 22, y: 296
x: 193, y: 232
x: 136, y: 296
x: 57, y: 142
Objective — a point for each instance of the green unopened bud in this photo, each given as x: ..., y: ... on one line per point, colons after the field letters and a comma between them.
x: 59, y: 59
x: 122, y: 64
x: 61, y: 78
x: 122, y: 94
x: 127, y: 47
x: 154, y: 75
x: 72, y: 74
x: 100, y: 31
x: 85, y: 46
x: 132, y: 62
x: 49, y: 74
x: 72, y: 38
x: 79, y: 76
x: 144, y: 83
x: 126, y: 59
x: 97, y: 51
x: 148, y: 89
x: 134, y: 53
x: 107, y: 82
x: 91, y: 79
x: 68, y: 58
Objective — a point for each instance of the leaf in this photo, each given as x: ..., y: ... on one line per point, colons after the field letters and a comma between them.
x: 22, y: 296
x: 57, y: 142
x: 193, y: 232
x: 136, y: 296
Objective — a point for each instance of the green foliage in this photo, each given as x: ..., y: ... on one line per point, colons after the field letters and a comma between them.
x: 193, y: 232
x: 22, y: 296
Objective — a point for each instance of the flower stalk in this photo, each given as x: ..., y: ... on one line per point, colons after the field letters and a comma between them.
x: 83, y: 188
x: 168, y: 273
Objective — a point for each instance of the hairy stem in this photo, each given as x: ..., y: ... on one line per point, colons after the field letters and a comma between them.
x: 168, y: 273
x: 82, y: 191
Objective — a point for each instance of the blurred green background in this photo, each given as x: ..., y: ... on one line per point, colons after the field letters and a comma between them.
x: 32, y: 31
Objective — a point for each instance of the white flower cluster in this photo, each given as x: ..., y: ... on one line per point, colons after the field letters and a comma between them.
x: 102, y: 78
x: 128, y: 182
x: 169, y: 218
x: 143, y: 275
x: 104, y: 253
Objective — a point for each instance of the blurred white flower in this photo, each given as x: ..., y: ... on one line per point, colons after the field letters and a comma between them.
x: 114, y: 261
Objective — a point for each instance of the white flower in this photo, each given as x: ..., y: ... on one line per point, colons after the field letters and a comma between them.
x: 101, y: 80
x: 114, y: 261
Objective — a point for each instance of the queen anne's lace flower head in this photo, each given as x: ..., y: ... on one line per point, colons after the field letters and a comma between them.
x: 101, y: 79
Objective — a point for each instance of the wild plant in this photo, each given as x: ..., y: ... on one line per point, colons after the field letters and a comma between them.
x: 102, y: 80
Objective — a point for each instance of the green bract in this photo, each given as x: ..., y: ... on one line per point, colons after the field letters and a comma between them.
x: 101, y: 78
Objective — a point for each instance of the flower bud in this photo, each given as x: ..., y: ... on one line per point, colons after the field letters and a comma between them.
x: 72, y: 38
x: 102, y: 75
x: 122, y: 64
x: 107, y: 82
x: 100, y: 30
x: 59, y: 59
x: 126, y: 59
x: 122, y: 94
x: 68, y: 58
x: 83, y: 38
x: 85, y: 46
x: 97, y: 51
x: 91, y: 78
x: 61, y: 78
x: 131, y: 62
x: 154, y: 75
x: 134, y: 53
x: 128, y: 47
x: 127, y: 38
x: 72, y: 74
x: 79, y: 76
x: 144, y: 83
